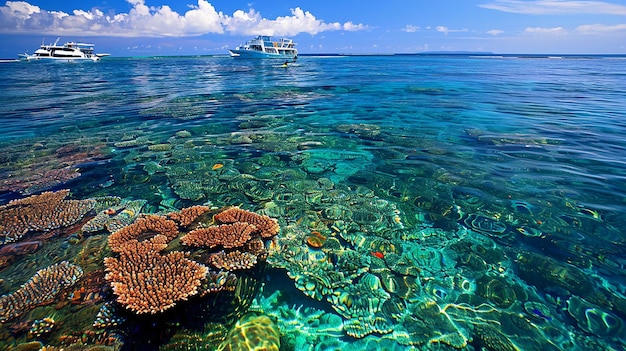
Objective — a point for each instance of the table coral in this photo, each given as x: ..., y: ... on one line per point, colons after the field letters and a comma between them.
x: 188, y: 215
x: 41, y: 289
x: 268, y: 226
x: 224, y: 235
x: 148, y: 282
x: 44, y: 212
x: 145, y: 228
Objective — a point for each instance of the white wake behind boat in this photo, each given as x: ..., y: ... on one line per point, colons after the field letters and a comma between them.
x: 264, y: 47
x: 70, y: 51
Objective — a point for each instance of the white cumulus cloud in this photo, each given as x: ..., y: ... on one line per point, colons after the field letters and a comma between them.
x: 160, y: 21
x: 300, y: 21
x: 445, y: 30
x: 351, y: 27
x: 20, y: 9
x: 495, y: 32
x: 411, y: 28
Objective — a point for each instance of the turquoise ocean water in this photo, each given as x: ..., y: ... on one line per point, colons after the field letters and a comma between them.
x: 425, y: 202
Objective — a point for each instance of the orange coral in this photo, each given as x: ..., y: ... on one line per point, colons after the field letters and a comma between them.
x: 225, y: 235
x: 146, y: 228
x: 146, y: 247
x: 44, y: 212
x: 186, y: 216
x: 42, y: 288
x: 232, y: 261
x: 148, y: 282
x: 268, y: 226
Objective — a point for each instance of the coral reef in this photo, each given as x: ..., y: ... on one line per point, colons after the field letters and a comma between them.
x: 41, y: 327
x: 45, y: 179
x: 107, y: 317
x: 44, y: 212
x: 47, y: 164
x: 144, y: 280
x: 113, y: 213
x: 225, y: 235
x: 412, y: 231
x: 148, y: 282
x: 143, y: 229
x: 41, y: 289
x: 188, y: 215
x: 267, y: 226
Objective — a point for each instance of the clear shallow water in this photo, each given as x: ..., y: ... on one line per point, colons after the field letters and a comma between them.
x: 512, y: 169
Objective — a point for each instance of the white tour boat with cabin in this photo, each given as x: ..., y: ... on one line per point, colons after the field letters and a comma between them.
x: 70, y: 51
x: 263, y: 47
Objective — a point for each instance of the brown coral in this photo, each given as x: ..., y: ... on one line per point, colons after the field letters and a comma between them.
x: 44, y: 212
x: 42, y: 288
x: 232, y: 261
x: 146, y: 247
x: 148, y: 282
x: 144, y: 229
x: 30, y: 181
x: 224, y: 235
x: 268, y: 226
x: 188, y: 215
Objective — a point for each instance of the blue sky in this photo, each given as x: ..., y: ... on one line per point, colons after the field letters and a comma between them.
x: 209, y: 27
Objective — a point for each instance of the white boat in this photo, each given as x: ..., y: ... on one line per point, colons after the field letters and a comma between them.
x: 263, y: 47
x: 70, y: 51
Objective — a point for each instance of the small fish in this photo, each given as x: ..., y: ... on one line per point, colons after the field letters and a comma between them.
x: 128, y: 212
x: 217, y: 166
x: 378, y: 254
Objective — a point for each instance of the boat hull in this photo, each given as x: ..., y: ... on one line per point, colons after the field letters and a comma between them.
x: 59, y: 59
x: 251, y: 54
